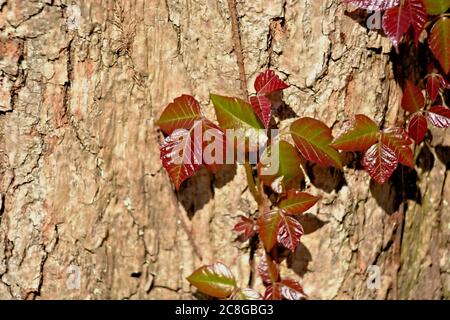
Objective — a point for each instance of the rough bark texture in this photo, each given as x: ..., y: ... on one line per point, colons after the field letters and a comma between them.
x: 82, y: 185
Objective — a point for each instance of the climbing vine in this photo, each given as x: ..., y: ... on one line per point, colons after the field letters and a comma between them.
x: 245, y: 132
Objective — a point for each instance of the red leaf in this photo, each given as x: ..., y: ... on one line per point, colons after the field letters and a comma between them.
x: 413, y: 99
x: 214, y: 146
x: 267, y: 82
x: 290, y: 231
x: 380, y: 162
x: 245, y: 226
x: 417, y: 128
x: 375, y: 5
x: 433, y: 85
x: 181, y: 153
x: 246, y: 294
x: 273, y: 292
x: 297, y: 202
x: 291, y: 290
x: 440, y: 42
x: 180, y: 114
x: 398, y: 141
x: 418, y: 17
x: 268, y: 270
x: 312, y: 138
x: 357, y: 135
x: 439, y: 116
x: 268, y: 228
x: 262, y: 107
x: 287, y: 288
x: 396, y: 22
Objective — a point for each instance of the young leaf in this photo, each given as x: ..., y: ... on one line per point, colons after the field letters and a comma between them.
x: 433, y: 85
x: 380, y: 162
x: 262, y: 107
x: 417, y: 127
x: 396, y: 22
x: 435, y: 7
x: 398, y: 141
x: 268, y: 270
x: 374, y: 5
x: 246, y: 227
x: 180, y: 114
x: 269, y: 223
x: 273, y: 292
x: 181, y: 153
x: 268, y: 82
x: 287, y: 288
x: 215, y: 280
x: 246, y: 294
x: 439, y: 116
x: 440, y: 42
x: 214, y: 146
x: 292, y: 290
x: 312, y: 138
x: 418, y: 17
x: 413, y: 99
x: 358, y: 135
x: 289, y: 173
x: 297, y: 202
x: 290, y: 231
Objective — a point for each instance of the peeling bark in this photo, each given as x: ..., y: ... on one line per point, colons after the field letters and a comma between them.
x: 80, y: 178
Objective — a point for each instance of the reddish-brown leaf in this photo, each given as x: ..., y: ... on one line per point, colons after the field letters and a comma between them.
x: 290, y: 231
x: 380, y: 162
x: 413, y: 99
x: 267, y: 82
x: 246, y: 227
x: 297, y: 202
x: 398, y: 141
x: 417, y: 127
x: 214, y: 146
x: 262, y: 107
x: 180, y: 114
x: 246, y: 294
x: 396, y: 22
x: 268, y: 269
x: 312, y: 138
x: 273, y: 292
x: 374, y: 5
x: 357, y: 135
x: 440, y: 42
x: 439, y: 116
x: 181, y: 153
x: 418, y: 17
x: 291, y: 290
x: 215, y: 280
x: 269, y: 224
x: 433, y: 85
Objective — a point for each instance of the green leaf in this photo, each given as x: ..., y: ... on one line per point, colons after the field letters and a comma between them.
x: 312, y: 138
x: 180, y: 114
x: 297, y: 202
x: 440, y: 42
x: 435, y: 7
x: 215, y: 280
x: 234, y: 113
x: 358, y: 135
x: 289, y: 173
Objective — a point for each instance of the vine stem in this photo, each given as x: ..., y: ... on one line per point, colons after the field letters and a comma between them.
x: 251, y: 181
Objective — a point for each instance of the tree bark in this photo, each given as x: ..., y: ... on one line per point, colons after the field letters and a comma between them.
x: 83, y: 189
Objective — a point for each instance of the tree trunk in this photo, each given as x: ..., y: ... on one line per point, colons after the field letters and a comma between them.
x: 83, y: 192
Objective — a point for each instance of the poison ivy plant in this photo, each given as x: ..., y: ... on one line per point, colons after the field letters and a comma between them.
x: 192, y: 141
